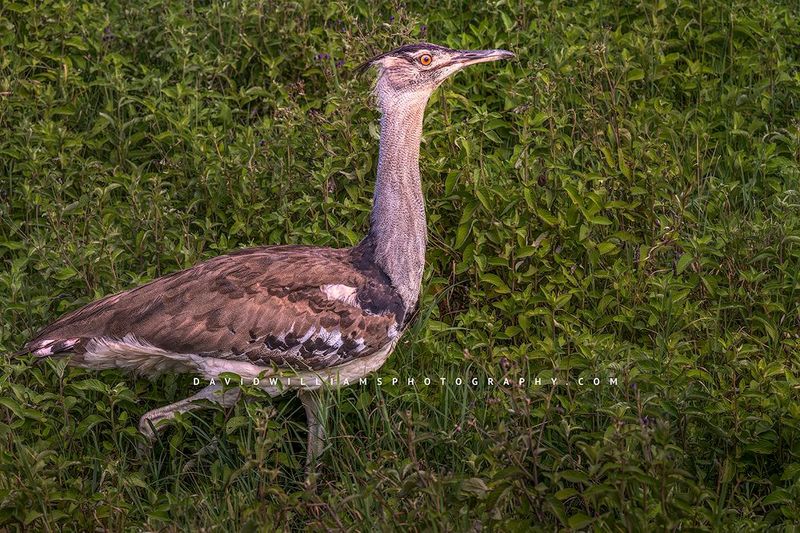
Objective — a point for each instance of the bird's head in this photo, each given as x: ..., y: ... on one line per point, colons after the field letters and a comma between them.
x: 412, y: 72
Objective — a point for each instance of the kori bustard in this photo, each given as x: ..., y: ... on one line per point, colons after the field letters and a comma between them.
x: 301, y: 315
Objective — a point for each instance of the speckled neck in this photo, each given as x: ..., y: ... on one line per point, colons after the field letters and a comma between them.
x: 397, y: 223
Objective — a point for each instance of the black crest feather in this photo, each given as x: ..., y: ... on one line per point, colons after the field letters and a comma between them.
x: 402, y: 51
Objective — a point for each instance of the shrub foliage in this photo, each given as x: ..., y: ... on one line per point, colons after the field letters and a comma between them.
x: 620, y: 202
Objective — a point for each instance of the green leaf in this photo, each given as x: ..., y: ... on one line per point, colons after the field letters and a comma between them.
x: 495, y: 280
x: 574, y: 476
x: 475, y: 487
x: 546, y: 217
x: 507, y: 22
x: 683, y: 262
x: 635, y: 74
x: 235, y: 423
x: 77, y: 43
x: 65, y: 273
x: 607, y: 248
x: 600, y: 220
x: 565, y: 494
x: 87, y: 424
x: 778, y: 496
x: 579, y: 520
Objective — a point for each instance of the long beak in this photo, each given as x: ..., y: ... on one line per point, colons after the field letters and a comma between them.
x: 471, y: 57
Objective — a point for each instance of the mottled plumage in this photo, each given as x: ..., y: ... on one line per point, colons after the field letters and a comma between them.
x: 264, y: 305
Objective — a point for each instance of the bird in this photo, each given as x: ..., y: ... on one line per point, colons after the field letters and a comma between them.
x: 289, y: 317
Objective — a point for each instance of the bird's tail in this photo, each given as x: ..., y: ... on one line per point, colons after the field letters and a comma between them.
x: 48, y: 347
x: 20, y: 353
x: 27, y: 351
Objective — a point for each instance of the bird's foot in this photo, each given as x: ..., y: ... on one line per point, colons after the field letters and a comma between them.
x: 155, y: 421
x: 149, y: 430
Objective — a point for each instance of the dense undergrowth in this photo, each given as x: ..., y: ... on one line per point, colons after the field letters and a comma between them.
x: 619, y: 203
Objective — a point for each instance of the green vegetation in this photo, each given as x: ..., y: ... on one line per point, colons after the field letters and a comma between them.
x: 622, y: 201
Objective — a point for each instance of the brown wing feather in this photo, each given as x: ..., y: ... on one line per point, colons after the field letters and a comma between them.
x: 262, y: 305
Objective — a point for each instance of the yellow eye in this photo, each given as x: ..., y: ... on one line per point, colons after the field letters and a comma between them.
x: 425, y: 59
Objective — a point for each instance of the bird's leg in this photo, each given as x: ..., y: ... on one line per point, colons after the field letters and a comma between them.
x: 316, y: 429
x: 149, y: 424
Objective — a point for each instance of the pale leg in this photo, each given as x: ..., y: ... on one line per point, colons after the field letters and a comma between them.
x: 149, y: 424
x: 316, y: 429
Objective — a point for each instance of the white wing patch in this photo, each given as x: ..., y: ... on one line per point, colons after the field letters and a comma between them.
x: 47, y: 346
x: 44, y: 348
x: 343, y: 293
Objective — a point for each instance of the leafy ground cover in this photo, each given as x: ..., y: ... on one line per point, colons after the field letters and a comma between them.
x: 621, y: 203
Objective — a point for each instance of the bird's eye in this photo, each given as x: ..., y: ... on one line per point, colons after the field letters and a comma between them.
x: 425, y: 59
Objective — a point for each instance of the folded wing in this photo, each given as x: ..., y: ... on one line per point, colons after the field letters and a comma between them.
x: 282, y: 306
